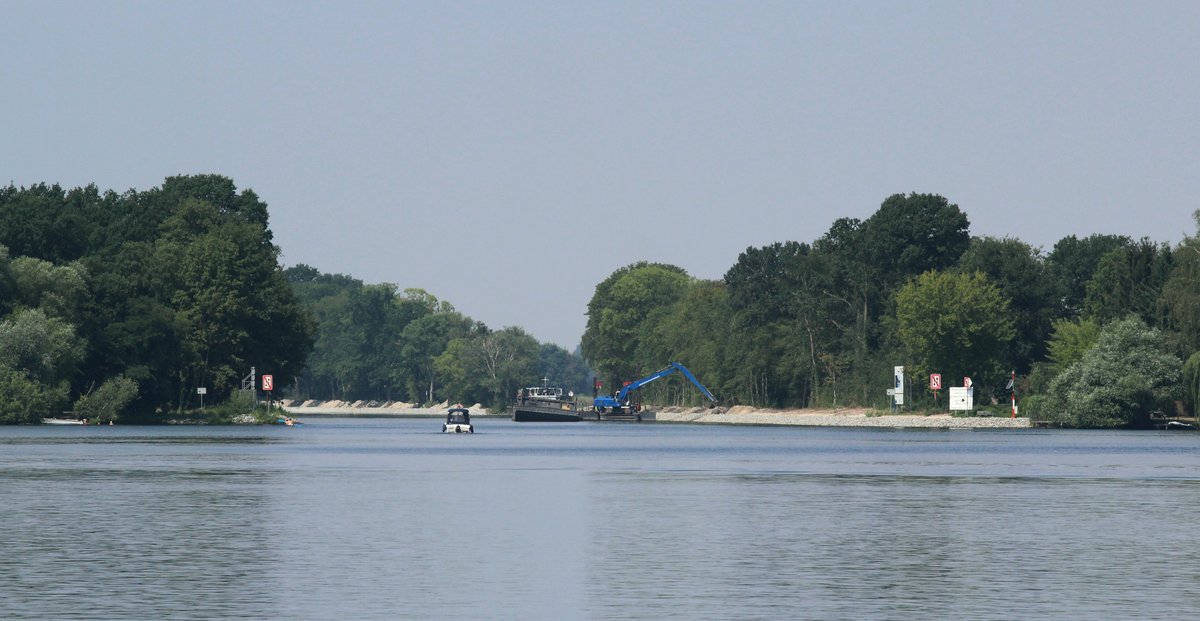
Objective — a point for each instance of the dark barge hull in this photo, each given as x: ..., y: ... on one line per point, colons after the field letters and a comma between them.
x: 536, y: 414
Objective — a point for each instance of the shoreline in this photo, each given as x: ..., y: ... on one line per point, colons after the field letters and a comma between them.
x: 841, y: 417
x: 738, y: 415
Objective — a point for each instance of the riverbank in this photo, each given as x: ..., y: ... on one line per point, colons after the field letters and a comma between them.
x: 841, y: 417
x: 372, y: 409
x: 740, y: 415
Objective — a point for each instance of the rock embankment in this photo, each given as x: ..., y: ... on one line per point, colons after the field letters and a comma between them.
x: 846, y: 417
x: 373, y: 408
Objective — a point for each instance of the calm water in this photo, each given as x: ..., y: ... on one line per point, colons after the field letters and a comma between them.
x: 387, y: 519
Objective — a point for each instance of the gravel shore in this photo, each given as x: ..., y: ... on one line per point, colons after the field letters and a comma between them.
x: 740, y: 415
x: 834, y: 418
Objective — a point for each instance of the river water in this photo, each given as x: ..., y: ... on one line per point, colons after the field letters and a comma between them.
x: 390, y: 519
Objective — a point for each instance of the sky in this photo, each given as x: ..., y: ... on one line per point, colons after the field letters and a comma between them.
x: 509, y: 156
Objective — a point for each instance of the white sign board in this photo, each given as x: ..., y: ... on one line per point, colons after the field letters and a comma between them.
x: 962, y: 398
x: 898, y: 385
x: 202, y: 391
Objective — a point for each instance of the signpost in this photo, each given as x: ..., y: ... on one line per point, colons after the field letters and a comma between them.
x: 202, y: 391
x: 898, y: 394
x: 962, y: 398
x: 935, y: 384
x: 1012, y: 390
x: 268, y: 384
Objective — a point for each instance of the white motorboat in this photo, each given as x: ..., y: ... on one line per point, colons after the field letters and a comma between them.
x: 458, y: 420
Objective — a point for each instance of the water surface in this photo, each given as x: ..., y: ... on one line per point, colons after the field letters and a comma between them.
x: 388, y: 518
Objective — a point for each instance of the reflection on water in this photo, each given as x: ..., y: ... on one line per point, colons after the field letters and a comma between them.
x: 386, y: 519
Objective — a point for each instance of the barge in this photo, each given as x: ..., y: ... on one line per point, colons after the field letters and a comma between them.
x: 545, y: 404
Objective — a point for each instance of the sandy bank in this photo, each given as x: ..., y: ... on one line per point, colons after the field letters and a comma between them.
x: 740, y: 415
x: 844, y: 417
x: 371, y: 408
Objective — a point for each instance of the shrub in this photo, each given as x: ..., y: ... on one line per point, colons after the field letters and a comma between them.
x: 107, y: 402
x: 1120, y: 380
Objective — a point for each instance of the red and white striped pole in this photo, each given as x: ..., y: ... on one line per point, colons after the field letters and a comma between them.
x: 1014, y: 393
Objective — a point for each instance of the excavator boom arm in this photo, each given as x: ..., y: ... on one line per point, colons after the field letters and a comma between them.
x: 673, y: 367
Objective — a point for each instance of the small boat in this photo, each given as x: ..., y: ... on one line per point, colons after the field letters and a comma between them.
x: 62, y: 421
x: 289, y: 421
x: 458, y: 420
x: 545, y: 404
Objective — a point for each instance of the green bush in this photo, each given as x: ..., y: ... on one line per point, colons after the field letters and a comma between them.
x: 25, y: 400
x: 239, y: 408
x: 1120, y: 380
x: 107, y: 402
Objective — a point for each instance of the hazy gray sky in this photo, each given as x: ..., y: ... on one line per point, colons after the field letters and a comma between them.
x: 508, y: 156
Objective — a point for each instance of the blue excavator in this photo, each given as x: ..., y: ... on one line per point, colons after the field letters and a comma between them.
x: 619, y: 404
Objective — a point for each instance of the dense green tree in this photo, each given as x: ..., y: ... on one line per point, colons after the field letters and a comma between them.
x: 1181, y: 295
x: 1191, y: 384
x: 1119, y: 381
x: 1129, y: 279
x: 421, y: 343
x: 626, y: 309
x: 59, y: 291
x: 45, y: 348
x: 488, y: 367
x: 697, y: 335
x: 1073, y: 261
x: 8, y: 284
x: 955, y: 324
x: 784, y: 289
x: 26, y: 400
x: 1071, y: 340
x: 560, y: 367
x: 235, y: 305
x: 132, y: 329
x: 39, y: 222
x: 1021, y: 275
x: 169, y: 287
x: 913, y: 234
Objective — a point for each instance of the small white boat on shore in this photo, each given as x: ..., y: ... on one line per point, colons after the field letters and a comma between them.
x: 61, y: 421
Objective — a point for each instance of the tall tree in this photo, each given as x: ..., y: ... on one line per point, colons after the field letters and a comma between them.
x: 488, y: 366
x: 626, y: 307
x: 1181, y: 295
x: 784, y: 289
x: 1073, y: 261
x: 1129, y: 279
x: 953, y: 323
x: 910, y: 235
x: 1021, y: 274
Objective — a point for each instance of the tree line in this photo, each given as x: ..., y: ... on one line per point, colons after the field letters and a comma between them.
x: 381, y: 342
x: 123, y: 305
x: 1098, y: 329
